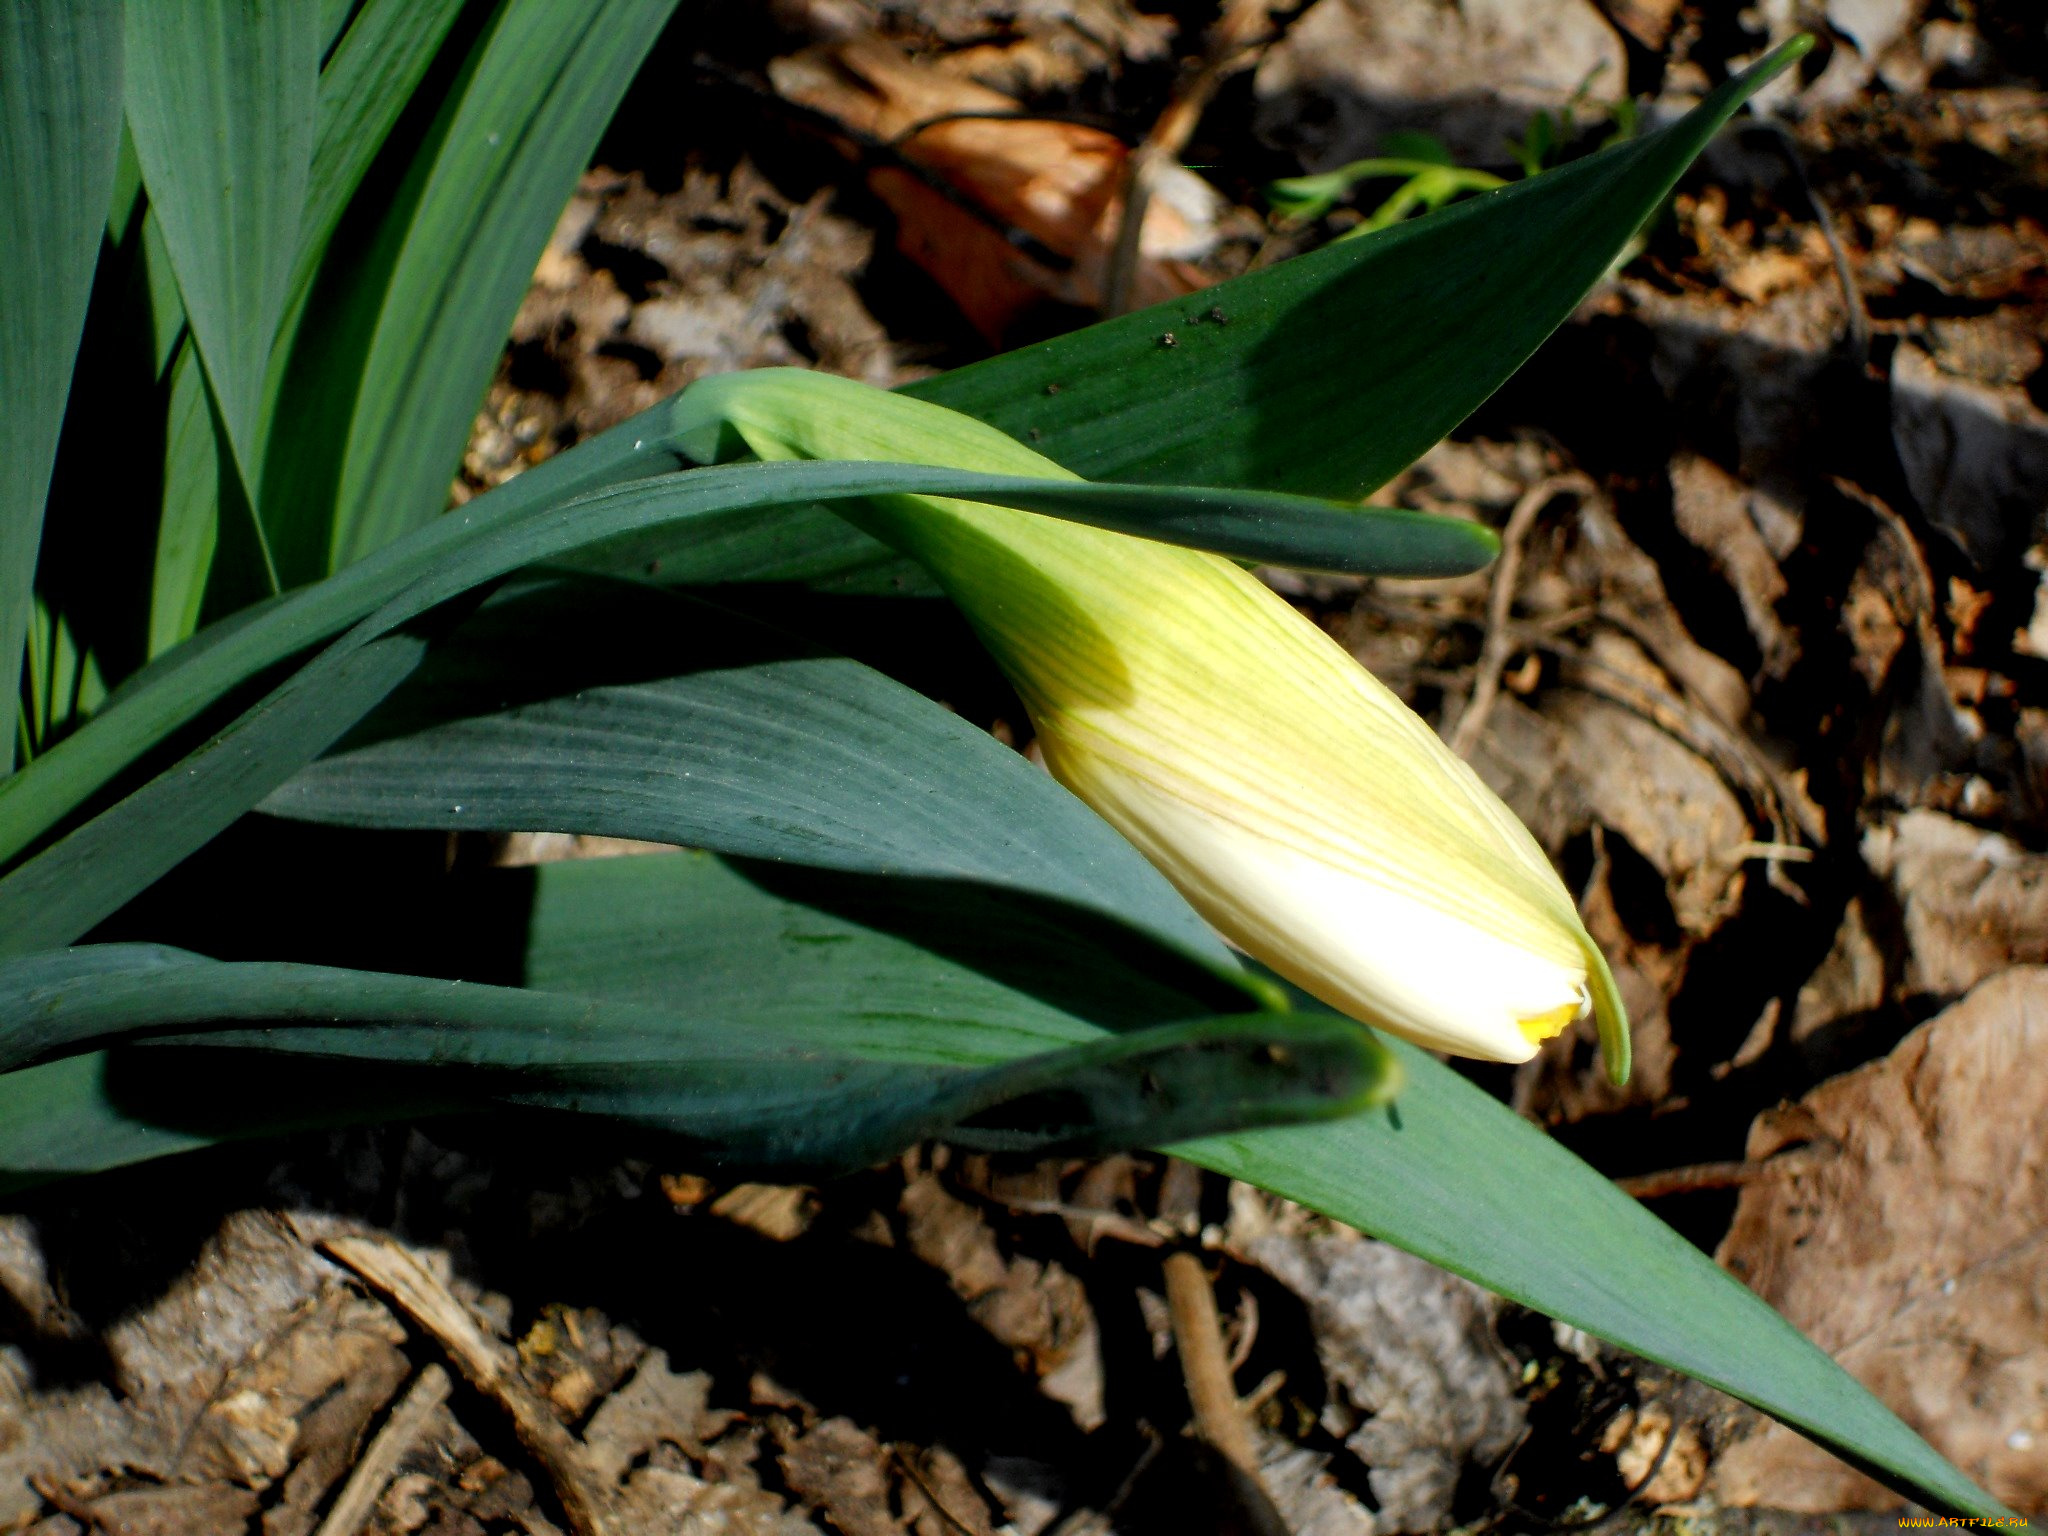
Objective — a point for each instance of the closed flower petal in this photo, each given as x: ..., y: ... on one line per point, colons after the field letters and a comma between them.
x: 1314, y: 819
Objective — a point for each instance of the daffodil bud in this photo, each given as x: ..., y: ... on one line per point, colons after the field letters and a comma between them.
x: 1307, y: 813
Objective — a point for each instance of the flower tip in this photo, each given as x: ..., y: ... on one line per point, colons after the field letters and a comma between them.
x: 1610, y: 1013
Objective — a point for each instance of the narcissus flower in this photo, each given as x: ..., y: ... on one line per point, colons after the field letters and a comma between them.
x: 1312, y: 818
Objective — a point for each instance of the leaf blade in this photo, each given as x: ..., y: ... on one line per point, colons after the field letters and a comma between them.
x: 454, y: 554
x: 744, y: 1087
x: 60, y: 136
x: 1333, y: 372
x: 222, y: 97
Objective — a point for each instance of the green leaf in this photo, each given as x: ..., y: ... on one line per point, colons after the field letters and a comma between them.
x: 406, y: 343
x: 677, y: 721
x: 456, y: 553
x: 1331, y: 373
x: 60, y: 134
x: 1286, y: 360
x: 221, y: 103
x: 190, y: 524
x: 369, y: 77
x: 813, y: 1089
x: 1459, y: 1179
x: 1454, y: 1176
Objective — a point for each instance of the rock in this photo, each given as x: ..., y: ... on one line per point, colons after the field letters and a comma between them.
x: 1472, y: 72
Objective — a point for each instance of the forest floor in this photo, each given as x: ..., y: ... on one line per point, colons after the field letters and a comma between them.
x: 1766, y: 669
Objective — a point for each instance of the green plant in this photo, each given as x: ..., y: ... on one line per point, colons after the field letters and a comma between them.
x: 893, y: 927
x: 1429, y: 175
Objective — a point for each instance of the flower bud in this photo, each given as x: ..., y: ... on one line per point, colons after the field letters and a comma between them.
x: 1307, y: 813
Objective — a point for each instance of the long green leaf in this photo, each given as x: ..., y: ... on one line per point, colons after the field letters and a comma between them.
x: 1333, y: 372
x: 222, y: 97
x: 189, y: 528
x: 60, y: 132
x: 1455, y: 1177
x: 1464, y: 1182
x: 680, y: 722
x: 57, y: 896
x: 719, y: 505
x: 1567, y: 224
x: 365, y: 84
x: 819, y: 1089
x: 388, y: 378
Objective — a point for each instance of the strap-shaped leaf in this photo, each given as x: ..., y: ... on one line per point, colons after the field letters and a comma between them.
x: 189, y: 527
x: 1333, y: 372
x: 459, y: 552
x: 1461, y: 1180
x: 221, y: 101
x: 1563, y: 226
x: 371, y: 73
x: 60, y: 130
x: 1456, y: 1177
x: 399, y: 348
x: 679, y: 722
x: 804, y: 1093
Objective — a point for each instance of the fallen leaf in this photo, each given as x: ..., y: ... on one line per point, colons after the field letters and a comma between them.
x: 1911, y: 1242
x: 1412, y: 1349
x: 1000, y: 171
x: 1972, y: 902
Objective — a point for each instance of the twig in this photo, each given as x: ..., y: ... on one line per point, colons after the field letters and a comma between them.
x: 1240, y: 33
x: 1247, y: 1331
x: 1731, y: 1175
x: 1687, y: 1180
x: 1219, y: 1417
x: 1856, y: 328
x: 946, y: 1517
x: 488, y: 1366
x: 366, y: 1480
x: 1500, y: 641
x: 1198, y: 1334
x: 61, y: 1499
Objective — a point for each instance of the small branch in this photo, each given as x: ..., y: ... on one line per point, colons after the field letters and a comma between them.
x: 1500, y: 640
x: 366, y: 1481
x: 1689, y: 1179
x: 947, y: 1518
x: 1219, y: 1417
x: 487, y: 1365
x: 1241, y: 33
x: 1198, y: 1334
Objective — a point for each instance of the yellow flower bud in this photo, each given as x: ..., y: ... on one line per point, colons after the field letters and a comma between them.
x: 1307, y: 813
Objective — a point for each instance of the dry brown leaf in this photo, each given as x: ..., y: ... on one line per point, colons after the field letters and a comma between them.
x: 1426, y: 1388
x: 1037, y: 1309
x: 1715, y: 512
x: 1470, y: 71
x: 1911, y: 1242
x: 1972, y: 902
x: 1059, y: 183
x: 1976, y: 455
